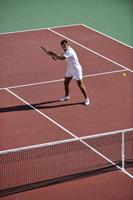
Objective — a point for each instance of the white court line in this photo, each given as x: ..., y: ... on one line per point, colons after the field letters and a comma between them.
x: 64, y: 141
x: 63, y: 26
x: 38, y: 111
x: 105, y: 73
x: 56, y: 122
x: 88, y: 49
x: 116, y: 40
x: 38, y: 29
x: 59, y: 80
x: 73, y: 42
x: 32, y: 84
x: 70, y: 133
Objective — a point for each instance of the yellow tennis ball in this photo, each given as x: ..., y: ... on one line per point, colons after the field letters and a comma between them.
x: 124, y: 74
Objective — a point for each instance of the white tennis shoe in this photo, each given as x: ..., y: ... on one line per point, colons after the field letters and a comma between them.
x: 64, y: 98
x: 87, y: 102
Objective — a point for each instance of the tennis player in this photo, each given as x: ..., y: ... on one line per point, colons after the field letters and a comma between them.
x: 74, y: 69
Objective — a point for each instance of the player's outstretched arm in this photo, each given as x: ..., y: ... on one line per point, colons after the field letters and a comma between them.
x: 59, y: 57
x: 53, y: 55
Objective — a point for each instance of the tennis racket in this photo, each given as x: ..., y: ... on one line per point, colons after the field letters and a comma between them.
x: 44, y: 49
x: 49, y: 53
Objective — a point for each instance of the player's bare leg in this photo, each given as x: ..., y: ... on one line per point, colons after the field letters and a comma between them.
x: 83, y: 90
x: 66, y: 86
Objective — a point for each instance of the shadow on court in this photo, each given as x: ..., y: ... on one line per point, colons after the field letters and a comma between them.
x: 42, y: 105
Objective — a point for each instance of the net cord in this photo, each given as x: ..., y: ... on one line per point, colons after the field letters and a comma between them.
x: 65, y: 141
x: 93, y: 149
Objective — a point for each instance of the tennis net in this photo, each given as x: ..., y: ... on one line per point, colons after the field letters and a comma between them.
x: 39, y: 165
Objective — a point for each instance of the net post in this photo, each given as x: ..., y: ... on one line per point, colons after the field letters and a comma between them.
x: 123, y: 150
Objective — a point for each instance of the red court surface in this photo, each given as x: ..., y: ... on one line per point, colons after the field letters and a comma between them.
x: 110, y: 186
x: 32, y: 114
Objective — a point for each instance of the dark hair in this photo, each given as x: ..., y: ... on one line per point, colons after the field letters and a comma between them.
x: 63, y: 42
